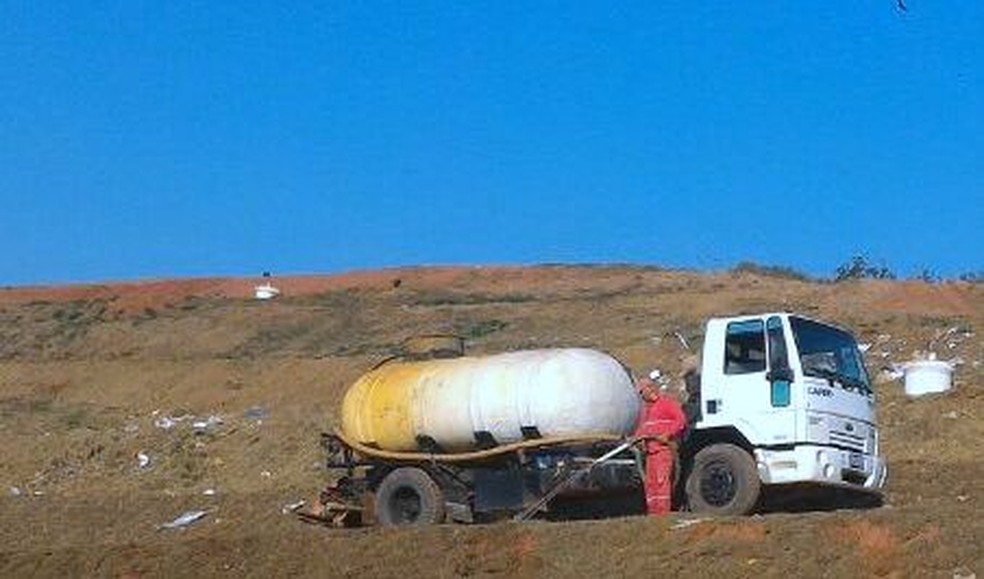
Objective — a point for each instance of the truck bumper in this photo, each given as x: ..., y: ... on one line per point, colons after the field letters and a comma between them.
x: 823, y: 465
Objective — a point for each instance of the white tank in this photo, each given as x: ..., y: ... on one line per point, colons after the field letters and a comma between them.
x: 927, y: 377
x: 454, y: 402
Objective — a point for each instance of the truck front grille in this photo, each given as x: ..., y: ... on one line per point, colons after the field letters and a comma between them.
x: 847, y: 440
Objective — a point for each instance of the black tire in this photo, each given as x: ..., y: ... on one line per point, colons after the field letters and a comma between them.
x: 409, y: 496
x: 723, y: 481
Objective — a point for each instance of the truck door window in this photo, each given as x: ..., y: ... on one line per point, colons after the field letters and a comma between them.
x: 778, y: 359
x: 744, y: 347
x: 779, y: 373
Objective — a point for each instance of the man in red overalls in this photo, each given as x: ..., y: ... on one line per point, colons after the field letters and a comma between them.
x: 661, y: 422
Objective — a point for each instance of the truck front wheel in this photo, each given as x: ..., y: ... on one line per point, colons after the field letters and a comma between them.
x: 409, y: 496
x: 723, y: 481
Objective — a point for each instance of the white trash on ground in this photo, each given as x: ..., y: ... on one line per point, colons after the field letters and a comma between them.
x: 684, y: 523
x: 143, y: 460
x: 207, y: 424
x: 291, y: 507
x: 185, y: 519
x: 257, y: 413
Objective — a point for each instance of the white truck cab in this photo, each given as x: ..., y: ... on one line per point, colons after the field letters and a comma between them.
x: 780, y: 399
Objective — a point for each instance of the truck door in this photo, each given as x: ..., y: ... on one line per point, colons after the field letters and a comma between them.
x: 755, y: 397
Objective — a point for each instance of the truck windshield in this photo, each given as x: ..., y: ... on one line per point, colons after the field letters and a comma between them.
x: 830, y: 353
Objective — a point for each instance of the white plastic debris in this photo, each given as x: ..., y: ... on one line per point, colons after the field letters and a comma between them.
x: 257, y: 413
x: 185, y: 519
x: 168, y: 422
x: 291, y: 507
x: 209, y: 492
x: 894, y: 371
x: 684, y: 523
x: 266, y: 474
x: 683, y: 341
x: 16, y: 491
x: 143, y: 459
x: 207, y: 424
x: 864, y: 347
x: 165, y: 422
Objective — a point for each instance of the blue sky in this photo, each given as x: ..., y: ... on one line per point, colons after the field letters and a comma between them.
x: 186, y: 139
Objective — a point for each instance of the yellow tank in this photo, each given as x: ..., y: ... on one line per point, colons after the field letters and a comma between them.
x: 456, y: 403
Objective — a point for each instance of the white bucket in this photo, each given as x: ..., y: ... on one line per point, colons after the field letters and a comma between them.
x: 927, y: 377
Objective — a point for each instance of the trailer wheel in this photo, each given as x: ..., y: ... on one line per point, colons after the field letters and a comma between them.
x: 723, y: 481
x: 409, y: 496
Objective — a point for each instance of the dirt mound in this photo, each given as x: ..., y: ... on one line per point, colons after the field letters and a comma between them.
x: 124, y: 405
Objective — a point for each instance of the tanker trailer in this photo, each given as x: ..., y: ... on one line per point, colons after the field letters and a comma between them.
x: 480, y: 437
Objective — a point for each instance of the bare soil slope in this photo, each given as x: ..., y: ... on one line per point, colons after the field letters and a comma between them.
x: 92, y: 376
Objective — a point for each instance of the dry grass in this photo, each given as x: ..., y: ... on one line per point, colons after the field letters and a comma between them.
x: 85, y: 371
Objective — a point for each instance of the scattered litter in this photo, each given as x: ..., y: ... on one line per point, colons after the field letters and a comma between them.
x: 963, y: 573
x: 864, y: 347
x: 683, y: 341
x: 209, y: 423
x: 168, y: 422
x: 684, y: 523
x: 257, y: 413
x: 165, y: 422
x: 16, y: 491
x: 209, y: 492
x: 143, y: 459
x: 892, y: 372
x: 951, y: 415
x: 38, y: 493
x: 291, y: 507
x: 962, y: 498
x: 266, y: 474
x: 186, y: 518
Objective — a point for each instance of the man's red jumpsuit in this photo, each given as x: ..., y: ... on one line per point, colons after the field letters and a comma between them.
x: 660, y: 416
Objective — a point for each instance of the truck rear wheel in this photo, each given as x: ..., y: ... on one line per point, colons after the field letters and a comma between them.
x: 409, y: 496
x: 723, y: 481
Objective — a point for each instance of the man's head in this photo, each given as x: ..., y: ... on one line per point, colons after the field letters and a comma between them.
x: 648, y: 388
